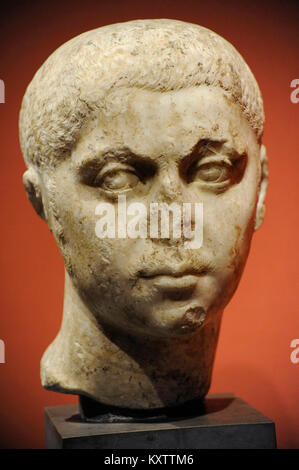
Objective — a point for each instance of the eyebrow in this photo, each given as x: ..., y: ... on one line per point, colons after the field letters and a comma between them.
x: 217, y: 146
x: 95, y: 161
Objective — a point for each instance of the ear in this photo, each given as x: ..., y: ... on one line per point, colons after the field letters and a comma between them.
x: 260, y: 208
x: 33, y: 190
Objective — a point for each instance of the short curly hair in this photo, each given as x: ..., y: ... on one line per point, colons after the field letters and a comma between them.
x: 73, y: 81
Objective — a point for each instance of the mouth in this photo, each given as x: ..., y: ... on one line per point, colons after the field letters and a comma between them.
x: 174, y: 283
x: 174, y: 272
x: 176, y: 288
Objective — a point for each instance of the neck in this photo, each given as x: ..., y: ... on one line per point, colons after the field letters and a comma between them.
x: 117, y: 369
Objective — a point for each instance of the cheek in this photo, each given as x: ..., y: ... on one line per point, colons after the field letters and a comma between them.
x: 73, y: 226
x: 103, y: 265
x: 228, y: 229
x: 229, y: 220
x: 90, y: 260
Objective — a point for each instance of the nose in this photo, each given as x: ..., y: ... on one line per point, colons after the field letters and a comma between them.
x: 171, y: 191
x: 171, y: 186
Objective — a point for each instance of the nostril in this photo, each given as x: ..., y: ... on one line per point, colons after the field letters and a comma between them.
x: 170, y: 242
x: 171, y: 193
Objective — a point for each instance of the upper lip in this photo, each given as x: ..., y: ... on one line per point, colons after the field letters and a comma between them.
x: 173, y: 271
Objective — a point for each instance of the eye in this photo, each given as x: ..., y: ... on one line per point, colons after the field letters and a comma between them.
x: 117, y: 180
x: 216, y: 167
x: 116, y: 176
x: 213, y: 172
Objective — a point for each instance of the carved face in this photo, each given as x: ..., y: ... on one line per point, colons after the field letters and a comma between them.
x: 187, y: 146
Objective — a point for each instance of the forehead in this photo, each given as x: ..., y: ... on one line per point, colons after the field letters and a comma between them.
x: 167, y: 124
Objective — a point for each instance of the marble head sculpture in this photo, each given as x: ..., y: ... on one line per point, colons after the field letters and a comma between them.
x: 158, y: 111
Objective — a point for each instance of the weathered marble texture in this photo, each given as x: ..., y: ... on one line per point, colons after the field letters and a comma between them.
x: 161, y: 111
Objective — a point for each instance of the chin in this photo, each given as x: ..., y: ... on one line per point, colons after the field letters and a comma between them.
x: 175, y: 321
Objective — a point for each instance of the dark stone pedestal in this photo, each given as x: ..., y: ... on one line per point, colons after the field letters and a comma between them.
x: 224, y: 422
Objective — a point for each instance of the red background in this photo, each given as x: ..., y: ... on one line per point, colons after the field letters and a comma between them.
x: 253, y: 356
